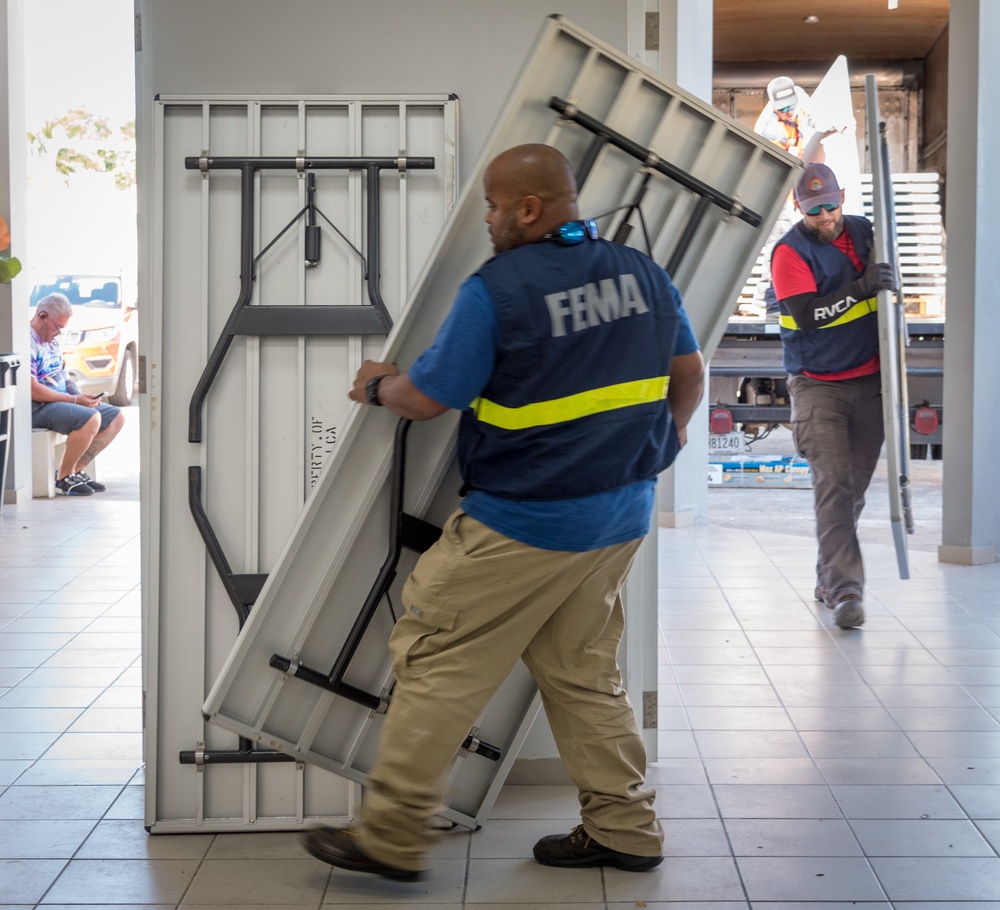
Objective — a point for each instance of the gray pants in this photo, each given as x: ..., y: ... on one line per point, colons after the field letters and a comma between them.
x: 838, y: 429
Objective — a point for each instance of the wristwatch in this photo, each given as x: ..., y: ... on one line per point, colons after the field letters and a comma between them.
x: 371, y: 389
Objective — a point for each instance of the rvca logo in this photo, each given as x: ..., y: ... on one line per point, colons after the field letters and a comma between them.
x: 828, y: 313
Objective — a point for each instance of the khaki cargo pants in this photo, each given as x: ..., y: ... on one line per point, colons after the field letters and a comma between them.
x: 475, y: 603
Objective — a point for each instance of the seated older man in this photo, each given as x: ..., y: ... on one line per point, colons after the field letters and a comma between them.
x: 58, y: 404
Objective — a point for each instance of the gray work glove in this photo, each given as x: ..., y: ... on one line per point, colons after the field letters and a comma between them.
x: 877, y: 276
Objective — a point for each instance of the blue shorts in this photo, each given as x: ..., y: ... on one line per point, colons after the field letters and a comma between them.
x: 65, y: 417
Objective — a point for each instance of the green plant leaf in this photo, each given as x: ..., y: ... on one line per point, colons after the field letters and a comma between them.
x: 8, y: 269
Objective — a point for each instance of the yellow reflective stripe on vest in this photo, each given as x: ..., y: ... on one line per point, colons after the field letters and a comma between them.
x: 572, y: 407
x: 857, y: 310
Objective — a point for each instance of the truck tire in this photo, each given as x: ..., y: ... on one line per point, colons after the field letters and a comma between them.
x: 122, y: 395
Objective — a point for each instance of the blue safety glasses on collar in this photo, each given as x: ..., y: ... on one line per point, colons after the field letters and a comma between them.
x: 573, y: 232
x: 826, y: 207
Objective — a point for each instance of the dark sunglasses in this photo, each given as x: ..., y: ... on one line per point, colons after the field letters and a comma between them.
x: 826, y: 207
x: 785, y: 109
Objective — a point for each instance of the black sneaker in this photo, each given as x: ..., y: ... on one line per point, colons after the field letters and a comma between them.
x: 578, y: 849
x: 96, y: 486
x: 71, y: 485
x: 336, y: 846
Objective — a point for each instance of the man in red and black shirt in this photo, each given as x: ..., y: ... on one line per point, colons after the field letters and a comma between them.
x: 826, y: 281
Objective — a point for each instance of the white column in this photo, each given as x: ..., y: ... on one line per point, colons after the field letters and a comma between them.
x: 971, y: 484
x: 13, y: 303
x: 684, y: 57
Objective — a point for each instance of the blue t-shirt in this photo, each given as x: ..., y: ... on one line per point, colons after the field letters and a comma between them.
x: 47, y: 364
x: 456, y: 368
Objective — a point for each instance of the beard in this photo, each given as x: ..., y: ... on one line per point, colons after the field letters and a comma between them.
x: 506, y: 235
x: 829, y: 233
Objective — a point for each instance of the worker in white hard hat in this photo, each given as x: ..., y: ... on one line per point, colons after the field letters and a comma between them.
x: 787, y: 120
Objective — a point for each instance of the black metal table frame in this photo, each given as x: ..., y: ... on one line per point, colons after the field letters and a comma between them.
x: 244, y: 319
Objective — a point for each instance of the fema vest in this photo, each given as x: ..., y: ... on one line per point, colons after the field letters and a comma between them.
x: 577, y: 403
x: 849, y: 341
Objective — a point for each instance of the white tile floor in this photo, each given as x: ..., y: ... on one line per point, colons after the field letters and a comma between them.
x: 801, y: 766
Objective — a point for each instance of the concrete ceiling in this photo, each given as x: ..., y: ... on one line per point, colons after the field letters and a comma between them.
x: 776, y: 31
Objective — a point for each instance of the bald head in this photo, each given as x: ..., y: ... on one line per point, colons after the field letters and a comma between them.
x: 530, y: 191
x: 535, y: 170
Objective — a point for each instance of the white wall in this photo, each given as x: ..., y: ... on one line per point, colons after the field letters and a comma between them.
x: 13, y: 312
x: 970, y: 485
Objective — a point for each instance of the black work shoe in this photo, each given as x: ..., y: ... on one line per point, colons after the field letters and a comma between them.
x: 580, y: 850
x: 336, y: 846
x: 849, y: 614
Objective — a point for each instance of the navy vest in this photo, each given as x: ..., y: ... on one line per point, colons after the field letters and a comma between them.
x: 577, y: 401
x: 853, y: 339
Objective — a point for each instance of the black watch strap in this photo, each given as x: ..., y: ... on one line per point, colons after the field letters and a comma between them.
x: 371, y: 389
